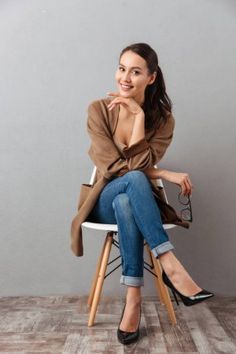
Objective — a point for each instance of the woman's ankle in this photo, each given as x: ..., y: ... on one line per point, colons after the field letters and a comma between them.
x: 133, y: 295
x: 168, y: 262
x: 178, y: 275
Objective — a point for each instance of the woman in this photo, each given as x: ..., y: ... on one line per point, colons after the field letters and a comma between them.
x: 143, y: 106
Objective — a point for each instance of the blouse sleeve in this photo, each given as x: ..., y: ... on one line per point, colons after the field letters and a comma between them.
x: 103, y: 151
x: 147, y: 153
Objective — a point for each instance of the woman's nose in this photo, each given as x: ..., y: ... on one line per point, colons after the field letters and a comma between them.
x: 126, y: 77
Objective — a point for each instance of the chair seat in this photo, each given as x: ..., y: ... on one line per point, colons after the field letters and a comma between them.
x: 113, y: 227
x: 100, y: 226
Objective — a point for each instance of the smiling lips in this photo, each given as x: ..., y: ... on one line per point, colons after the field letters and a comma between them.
x: 126, y: 87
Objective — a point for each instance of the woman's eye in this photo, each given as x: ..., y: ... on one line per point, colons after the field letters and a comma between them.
x: 135, y: 71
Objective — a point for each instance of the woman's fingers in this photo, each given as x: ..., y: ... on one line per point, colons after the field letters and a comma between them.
x: 113, y: 94
x: 186, y: 186
x: 183, y: 188
x: 182, y: 180
x: 112, y: 105
x: 189, y: 181
x: 190, y: 186
x: 129, y: 103
x: 117, y: 100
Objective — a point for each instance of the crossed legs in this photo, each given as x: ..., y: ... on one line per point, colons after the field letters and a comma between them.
x: 129, y: 202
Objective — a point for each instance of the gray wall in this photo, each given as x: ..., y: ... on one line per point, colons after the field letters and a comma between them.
x: 57, y: 56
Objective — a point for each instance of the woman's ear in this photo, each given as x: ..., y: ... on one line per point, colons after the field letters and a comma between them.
x: 153, y: 78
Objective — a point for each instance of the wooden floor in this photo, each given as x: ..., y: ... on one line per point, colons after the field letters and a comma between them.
x: 58, y: 324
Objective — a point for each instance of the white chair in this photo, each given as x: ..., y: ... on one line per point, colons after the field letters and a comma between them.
x: 154, y: 268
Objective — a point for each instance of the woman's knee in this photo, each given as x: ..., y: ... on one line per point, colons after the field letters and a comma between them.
x: 137, y: 177
x: 121, y: 201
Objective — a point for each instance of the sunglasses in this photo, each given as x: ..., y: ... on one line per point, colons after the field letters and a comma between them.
x: 185, y: 213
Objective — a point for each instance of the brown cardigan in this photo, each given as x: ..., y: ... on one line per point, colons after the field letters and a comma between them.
x: 113, y: 161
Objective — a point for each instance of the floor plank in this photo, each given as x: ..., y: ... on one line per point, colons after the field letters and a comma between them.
x: 58, y: 324
x: 207, y: 331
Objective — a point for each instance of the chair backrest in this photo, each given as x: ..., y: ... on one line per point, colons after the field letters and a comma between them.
x: 159, y: 181
x: 93, y: 175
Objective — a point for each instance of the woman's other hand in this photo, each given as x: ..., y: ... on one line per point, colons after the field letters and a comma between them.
x: 129, y: 103
x: 181, y: 179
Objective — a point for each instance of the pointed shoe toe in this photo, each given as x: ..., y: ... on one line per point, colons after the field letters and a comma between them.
x: 202, y: 295
x: 128, y: 337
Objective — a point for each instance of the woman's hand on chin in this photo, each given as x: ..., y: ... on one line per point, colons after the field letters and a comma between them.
x: 127, y: 102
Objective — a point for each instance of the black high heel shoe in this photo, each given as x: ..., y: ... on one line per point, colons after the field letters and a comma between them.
x: 128, y: 337
x: 187, y: 300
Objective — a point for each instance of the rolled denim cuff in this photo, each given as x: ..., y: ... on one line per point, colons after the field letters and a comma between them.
x: 162, y: 248
x: 131, y: 281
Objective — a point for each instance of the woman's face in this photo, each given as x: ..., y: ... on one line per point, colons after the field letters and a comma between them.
x: 132, y: 76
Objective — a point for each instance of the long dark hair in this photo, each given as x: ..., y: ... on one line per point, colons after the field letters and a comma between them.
x: 157, y: 103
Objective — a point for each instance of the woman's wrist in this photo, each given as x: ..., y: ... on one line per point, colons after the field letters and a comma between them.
x: 138, y: 131
x: 161, y: 173
x: 140, y: 114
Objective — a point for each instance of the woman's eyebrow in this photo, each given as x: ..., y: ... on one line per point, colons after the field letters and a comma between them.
x: 133, y: 67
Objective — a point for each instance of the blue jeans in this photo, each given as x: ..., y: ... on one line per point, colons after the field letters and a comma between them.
x: 128, y: 201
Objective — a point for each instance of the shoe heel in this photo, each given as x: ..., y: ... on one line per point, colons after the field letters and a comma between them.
x: 175, y: 296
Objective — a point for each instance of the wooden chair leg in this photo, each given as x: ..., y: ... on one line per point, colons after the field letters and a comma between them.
x: 164, y: 290
x: 100, y: 279
x: 95, y: 279
x: 156, y: 280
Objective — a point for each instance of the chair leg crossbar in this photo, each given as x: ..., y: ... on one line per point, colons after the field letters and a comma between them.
x: 100, y: 275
